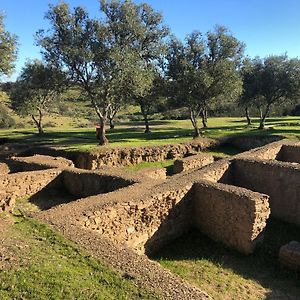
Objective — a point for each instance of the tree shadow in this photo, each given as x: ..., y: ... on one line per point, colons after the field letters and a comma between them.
x: 262, y: 266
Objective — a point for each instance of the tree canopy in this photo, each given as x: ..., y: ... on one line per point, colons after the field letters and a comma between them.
x: 110, y: 58
x: 205, y: 69
x: 8, y: 49
x: 36, y: 91
x: 270, y: 81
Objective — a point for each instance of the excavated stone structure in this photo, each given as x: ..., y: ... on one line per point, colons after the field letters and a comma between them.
x: 229, y: 200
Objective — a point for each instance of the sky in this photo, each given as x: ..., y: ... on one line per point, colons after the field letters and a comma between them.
x: 267, y: 27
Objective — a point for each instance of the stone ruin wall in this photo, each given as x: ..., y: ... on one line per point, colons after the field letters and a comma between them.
x: 192, y: 162
x: 82, y: 183
x: 13, y: 186
x: 279, y: 180
x: 289, y: 153
x: 147, y: 224
x: 233, y: 215
x: 158, y: 217
x: 136, y: 155
x: 166, y: 211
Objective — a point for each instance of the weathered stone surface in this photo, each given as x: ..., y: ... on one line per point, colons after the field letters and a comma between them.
x: 289, y: 255
x: 289, y: 153
x: 135, y: 155
x: 153, y: 172
x: 83, y: 183
x: 279, y: 180
x: 4, y: 168
x: 191, y: 162
x: 231, y: 215
x: 38, y: 162
x: 145, y: 225
x: 17, y: 185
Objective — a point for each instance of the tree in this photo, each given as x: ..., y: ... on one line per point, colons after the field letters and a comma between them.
x: 250, y: 95
x: 37, y: 90
x: 141, y: 29
x: 271, y: 81
x: 8, y: 49
x: 102, y: 56
x: 204, y: 70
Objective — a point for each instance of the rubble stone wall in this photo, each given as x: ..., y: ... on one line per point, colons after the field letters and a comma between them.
x: 279, y: 180
x: 231, y: 215
x: 145, y: 225
x: 84, y: 183
x: 290, y: 153
x: 192, y: 162
x: 136, y: 155
x: 23, y: 184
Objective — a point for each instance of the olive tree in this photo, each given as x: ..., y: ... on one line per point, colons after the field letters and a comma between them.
x: 140, y: 29
x: 205, y: 70
x: 37, y: 90
x: 270, y: 82
x: 8, y: 49
x: 104, y: 56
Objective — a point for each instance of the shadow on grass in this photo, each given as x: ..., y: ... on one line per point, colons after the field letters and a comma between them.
x: 262, y: 266
x: 279, y: 120
x: 50, y: 197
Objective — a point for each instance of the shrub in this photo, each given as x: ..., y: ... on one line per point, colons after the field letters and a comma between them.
x: 6, y: 121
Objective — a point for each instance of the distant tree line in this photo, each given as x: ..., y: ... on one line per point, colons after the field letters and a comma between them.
x: 127, y: 55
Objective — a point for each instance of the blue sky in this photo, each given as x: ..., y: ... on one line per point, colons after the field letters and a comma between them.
x: 265, y: 26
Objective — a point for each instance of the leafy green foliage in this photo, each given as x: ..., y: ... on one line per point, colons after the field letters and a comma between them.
x: 204, y: 70
x: 8, y: 49
x: 269, y: 82
x: 6, y: 121
x: 36, y: 90
x: 105, y: 56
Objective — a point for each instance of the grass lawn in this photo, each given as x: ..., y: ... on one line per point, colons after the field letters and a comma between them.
x: 44, y: 265
x: 163, y: 132
x: 226, y: 274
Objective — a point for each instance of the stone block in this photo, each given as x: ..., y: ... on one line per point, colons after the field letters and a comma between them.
x: 289, y: 256
x: 192, y: 162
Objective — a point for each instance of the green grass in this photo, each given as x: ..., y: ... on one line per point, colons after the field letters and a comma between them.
x: 50, y: 267
x: 162, y: 132
x: 167, y: 164
x: 226, y: 274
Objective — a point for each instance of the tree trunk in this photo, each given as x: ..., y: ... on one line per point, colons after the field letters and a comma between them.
x: 204, y: 117
x: 111, y: 123
x: 248, y: 116
x: 101, y: 132
x: 145, y: 115
x: 38, y: 124
x: 260, y: 113
x: 40, y: 128
x: 263, y: 117
x: 194, y: 121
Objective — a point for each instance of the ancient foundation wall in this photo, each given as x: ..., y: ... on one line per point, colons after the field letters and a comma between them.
x: 23, y: 184
x: 148, y: 224
x: 135, y: 155
x: 84, y: 183
x: 37, y: 162
x: 246, y: 143
x: 231, y: 215
x: 192, y: 162
x: 289, y: 153
x: 279, y: 180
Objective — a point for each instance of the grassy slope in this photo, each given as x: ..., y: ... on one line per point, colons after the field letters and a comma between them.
x: 226, y: 274
x: 163, y: 132
x: 50, y: 267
